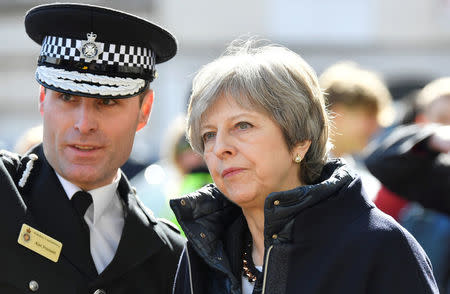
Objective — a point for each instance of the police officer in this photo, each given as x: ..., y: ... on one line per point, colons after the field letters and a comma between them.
x: 69, y: 220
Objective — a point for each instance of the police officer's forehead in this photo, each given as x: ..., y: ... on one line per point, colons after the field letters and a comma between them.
x: 96, y: 52
x: 59, y: 93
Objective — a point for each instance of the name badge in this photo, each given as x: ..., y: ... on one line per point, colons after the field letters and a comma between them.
x: 39, y: 243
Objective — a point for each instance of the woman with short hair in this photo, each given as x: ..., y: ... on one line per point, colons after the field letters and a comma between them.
x: 281, y: 217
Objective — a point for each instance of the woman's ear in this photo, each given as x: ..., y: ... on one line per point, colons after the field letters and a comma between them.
x: 300, y: 150
x: 146, y: 109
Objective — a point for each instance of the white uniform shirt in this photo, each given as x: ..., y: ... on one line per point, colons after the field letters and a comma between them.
x: 105, y: 218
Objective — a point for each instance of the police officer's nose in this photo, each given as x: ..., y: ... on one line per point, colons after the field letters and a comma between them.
x: 85, y: 117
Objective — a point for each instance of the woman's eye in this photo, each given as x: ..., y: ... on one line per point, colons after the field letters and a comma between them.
x: 208, y: 136
x: 243, y: 125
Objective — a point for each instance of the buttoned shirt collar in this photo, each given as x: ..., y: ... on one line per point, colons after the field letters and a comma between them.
x: 102, y: 197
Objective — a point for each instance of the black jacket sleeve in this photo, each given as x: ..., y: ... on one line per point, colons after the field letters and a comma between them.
x: 405, y: 165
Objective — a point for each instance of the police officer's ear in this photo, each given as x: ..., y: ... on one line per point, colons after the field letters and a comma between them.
x: 146, y: 109
x: 41, y: 99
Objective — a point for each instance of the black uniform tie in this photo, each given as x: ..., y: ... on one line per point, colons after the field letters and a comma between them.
x: 81, y: 201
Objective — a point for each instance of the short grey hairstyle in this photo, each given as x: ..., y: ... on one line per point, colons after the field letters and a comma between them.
x: 274, y: 80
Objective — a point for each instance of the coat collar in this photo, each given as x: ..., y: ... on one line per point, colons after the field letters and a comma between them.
x: 313, y: 203
x: 207, y: 213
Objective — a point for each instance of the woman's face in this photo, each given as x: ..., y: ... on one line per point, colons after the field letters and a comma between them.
x: 246, y: 153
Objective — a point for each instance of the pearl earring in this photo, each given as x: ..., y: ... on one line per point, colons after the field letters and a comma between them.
x: 298, y: 158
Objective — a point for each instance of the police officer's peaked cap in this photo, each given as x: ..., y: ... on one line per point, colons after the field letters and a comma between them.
x: 95, y: 51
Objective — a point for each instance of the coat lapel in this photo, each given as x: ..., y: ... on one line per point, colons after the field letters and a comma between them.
x: 141, y: 237
x: 54, y: 215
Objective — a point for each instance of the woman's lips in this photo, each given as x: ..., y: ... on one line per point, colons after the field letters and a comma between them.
x: 231, y: 171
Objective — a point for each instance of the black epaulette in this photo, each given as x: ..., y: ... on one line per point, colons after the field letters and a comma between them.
x: 10, y: 160
x: 21, y: 168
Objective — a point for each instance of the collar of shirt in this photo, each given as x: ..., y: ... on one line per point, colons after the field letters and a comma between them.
x: 102, y: 197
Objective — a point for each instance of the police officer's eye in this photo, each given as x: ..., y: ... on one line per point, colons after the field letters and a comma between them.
x: 66, y: 97
x: 107, y: 101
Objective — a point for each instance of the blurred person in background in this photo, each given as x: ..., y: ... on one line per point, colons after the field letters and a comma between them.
x: 190, y: 164
x: 413, y: 161
x: 406, y: 112
x: 393, y: 160
x: 69, y: 220
x: 281, y: 217
x: 29, y: 139
x: 181, y: 170
x: 359, y: 103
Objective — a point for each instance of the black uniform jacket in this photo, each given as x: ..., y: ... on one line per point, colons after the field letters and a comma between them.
x: 319, y: 239
x: 145, y: 261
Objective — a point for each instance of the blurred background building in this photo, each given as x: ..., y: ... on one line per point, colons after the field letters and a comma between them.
x: 407, y: 41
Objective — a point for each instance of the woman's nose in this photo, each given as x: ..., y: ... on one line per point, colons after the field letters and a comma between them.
x: 223, y: 145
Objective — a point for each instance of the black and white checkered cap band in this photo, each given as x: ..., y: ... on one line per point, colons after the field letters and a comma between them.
x: 111, y: 54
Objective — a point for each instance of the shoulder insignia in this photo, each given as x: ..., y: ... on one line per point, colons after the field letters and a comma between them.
x: 21, y: 167
x: 10, y: 156
x: 12, y: 163
x: 29, y: 166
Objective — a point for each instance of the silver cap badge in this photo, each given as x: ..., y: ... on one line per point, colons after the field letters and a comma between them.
x: 90, y: 49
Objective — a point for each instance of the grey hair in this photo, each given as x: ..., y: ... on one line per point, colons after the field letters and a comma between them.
x: 274, y: 80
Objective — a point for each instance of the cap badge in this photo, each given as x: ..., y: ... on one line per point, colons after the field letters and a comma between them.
x: 90, y: 49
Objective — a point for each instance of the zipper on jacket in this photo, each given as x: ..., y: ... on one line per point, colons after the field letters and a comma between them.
x: 266, y: 263
x: 190, y: 271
